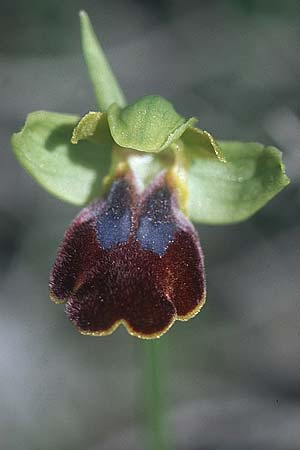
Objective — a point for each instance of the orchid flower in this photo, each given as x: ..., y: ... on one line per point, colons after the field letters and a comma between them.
x: 132, y: 255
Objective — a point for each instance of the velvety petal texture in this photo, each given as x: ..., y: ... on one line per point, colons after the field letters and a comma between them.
x: 130, y: 258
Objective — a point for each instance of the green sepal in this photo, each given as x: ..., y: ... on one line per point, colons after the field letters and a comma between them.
x: 94, y: 127
x: 149, y: 125
x: 227, y: 193
x: 106, y: 87
x: 73, y: 173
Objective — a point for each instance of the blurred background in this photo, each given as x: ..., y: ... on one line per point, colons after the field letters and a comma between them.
x: 233, y: 372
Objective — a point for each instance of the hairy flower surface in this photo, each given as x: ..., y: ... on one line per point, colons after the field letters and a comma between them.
x: 131, y: 258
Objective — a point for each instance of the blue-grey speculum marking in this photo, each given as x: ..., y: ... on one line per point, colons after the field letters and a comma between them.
x: 114, y: 223
x: 156, y: 229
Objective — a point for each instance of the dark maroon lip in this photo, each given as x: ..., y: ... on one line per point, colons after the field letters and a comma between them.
x: 130, y: 258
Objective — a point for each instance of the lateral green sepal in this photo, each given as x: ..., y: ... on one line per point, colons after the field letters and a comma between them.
x: 227, y: 193
x: 73, y: 173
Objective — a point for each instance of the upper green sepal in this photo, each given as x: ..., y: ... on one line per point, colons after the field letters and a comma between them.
x: 73, y: 173
x: 106, y: 86
x: 149, y: 125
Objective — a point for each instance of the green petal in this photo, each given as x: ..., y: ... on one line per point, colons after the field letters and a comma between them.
x: 196, y: 138
x: 71, y: 172
x: 227, y: 193
x: 148, y: 125
x: 93, y: 127
x: 106, y: 87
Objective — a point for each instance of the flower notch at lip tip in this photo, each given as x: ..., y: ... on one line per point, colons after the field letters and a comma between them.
x: 131, y: 258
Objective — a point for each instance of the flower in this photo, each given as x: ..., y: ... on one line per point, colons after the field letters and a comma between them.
x: 131, y: 258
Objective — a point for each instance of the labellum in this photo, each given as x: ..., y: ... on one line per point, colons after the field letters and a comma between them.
x: 131, y: 258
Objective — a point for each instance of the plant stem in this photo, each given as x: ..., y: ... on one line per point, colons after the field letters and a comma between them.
x: 155, y: 395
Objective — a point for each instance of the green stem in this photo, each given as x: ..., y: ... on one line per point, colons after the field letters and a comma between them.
x: 155, y: 394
